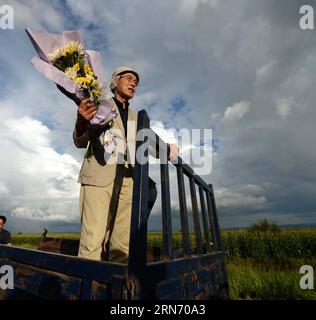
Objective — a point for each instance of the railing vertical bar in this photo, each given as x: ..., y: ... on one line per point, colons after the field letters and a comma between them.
x: 183, y: 213
x: 138, y: 234
x: 215, y: 218
x: 212, y: 220
x: 195, y: 213
x: 206, y: 227
x: 219, y: 246
x: 165, y: 205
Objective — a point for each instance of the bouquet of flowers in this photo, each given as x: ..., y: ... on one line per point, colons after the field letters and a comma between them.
x: 70, y: 59
x: 78, y: 73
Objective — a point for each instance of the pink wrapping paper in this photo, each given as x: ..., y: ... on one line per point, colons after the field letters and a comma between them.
x: 45, y: 43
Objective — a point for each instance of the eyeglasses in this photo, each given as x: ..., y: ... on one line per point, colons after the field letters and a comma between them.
x: 131, y: 79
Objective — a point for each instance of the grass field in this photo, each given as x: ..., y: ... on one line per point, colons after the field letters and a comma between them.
x: 259, y: 265
x: 266, y: 265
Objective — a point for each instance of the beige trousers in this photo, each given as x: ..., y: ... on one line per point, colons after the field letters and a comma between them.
x: 97, y: 208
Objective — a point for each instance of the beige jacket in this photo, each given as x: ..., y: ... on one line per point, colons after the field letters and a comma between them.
x: 91, y: 172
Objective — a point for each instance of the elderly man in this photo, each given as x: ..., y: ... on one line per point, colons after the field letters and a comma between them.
x: 5, y: 236
x: 107, y: 186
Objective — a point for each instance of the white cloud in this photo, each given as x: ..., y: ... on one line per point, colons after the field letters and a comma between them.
x: 264, y: 72
x: 47, y: 211
x: 249, y: 197
x: 236, y: 111
x: 252, y: 189
x: 169, y: 135
x: 4, y: 191
x: 144, y: 100
x: 94, y: 11
x: 283, y: 108
x: 36, y: 14
x: 192, y: 152
x: 35, y: 173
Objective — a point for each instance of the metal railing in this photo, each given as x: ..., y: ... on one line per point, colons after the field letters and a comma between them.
x: 138, y: 236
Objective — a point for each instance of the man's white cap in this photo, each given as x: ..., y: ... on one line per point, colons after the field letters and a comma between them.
x: 121, y: 70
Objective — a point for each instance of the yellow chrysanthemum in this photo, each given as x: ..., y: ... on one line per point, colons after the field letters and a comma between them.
x: 88, y: 70
x: 82, y: 81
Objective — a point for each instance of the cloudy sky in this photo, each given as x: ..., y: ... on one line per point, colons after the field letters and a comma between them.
x: 242, y: 68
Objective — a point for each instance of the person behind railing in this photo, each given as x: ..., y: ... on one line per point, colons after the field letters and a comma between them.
x: 106, y: 187
x: 5, y: 235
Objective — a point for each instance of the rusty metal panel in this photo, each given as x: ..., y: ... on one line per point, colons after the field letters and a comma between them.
x: 100, y: 291
x: 46, y: 284
x: 57, y: 245
x: 198, y: 277
x: 163, y: 270
x: 205, y: 283
x: 170, y: 289
x: 3, y: 260
x: 117, y: 287
x: 187, y: 286
x: 74, y: 266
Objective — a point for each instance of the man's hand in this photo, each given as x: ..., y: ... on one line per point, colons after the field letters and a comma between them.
x: 87, y: 109
x: 86, y: 112
x: 174, y: 152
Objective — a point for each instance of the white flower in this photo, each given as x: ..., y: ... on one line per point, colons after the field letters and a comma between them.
x: 74, y: 46
x: 71, y: 72
x: 110, y: 147
x: 55, y: 55
x: 70, y: 47
x: 107, y: 137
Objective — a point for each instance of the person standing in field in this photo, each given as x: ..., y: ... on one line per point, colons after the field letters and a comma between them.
x: 5, y: 235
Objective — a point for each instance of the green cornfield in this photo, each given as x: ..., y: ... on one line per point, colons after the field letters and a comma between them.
x: 298, y: 244
x: 266, y: 265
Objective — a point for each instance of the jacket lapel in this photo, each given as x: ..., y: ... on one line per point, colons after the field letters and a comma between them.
x: 131, y: 130
x: 131, y: 135
x: 118, y: 119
